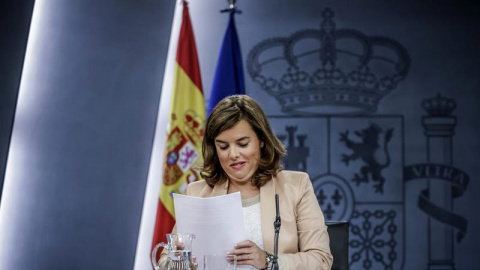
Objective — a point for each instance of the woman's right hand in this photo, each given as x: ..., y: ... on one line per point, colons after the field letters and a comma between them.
x: 248, y: 253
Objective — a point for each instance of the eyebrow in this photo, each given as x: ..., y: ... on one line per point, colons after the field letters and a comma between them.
x: 241, y: 139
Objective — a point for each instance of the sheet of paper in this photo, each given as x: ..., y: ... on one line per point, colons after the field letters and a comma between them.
x: 216, y: 222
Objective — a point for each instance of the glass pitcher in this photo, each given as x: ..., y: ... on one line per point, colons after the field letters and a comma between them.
x: 179, y: 249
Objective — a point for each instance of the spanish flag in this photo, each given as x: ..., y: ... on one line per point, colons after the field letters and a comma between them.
x: 186, y: 128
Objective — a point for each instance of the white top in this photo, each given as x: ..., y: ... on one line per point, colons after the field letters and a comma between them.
x: 252, y: 219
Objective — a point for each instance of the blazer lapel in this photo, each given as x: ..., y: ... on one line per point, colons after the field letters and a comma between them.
x: 267, y: 204
x: 220, y: 189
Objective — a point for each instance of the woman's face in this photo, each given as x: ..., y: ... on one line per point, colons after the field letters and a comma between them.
x: 238, y: 150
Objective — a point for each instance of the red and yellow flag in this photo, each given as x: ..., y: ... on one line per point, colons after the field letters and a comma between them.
x: 185, y: 132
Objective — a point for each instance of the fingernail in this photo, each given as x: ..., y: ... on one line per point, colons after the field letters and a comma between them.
x: 228, y: 253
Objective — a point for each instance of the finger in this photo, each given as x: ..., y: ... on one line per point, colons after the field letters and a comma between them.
x: 246, y: 243
x: 240, y: 257
x: 244, y: 257
x: 245, y: 261
x: 240, y: 251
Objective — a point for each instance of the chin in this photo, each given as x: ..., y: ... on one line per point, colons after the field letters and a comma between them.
x: 240, y: 178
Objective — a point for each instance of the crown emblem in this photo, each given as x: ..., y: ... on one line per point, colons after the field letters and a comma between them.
x: 194, y: 127
x: 328, y: 70
x: 439, y: 106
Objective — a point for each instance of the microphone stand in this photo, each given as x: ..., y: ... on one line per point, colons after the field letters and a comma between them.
x: 277, y: 224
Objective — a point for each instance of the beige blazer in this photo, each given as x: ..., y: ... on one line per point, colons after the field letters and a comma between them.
x: 303, y: 239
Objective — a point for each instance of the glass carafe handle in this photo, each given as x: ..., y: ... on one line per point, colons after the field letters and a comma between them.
x: 154, y: 254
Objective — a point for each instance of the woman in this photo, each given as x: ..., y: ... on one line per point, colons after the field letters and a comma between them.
x: 241, y: 154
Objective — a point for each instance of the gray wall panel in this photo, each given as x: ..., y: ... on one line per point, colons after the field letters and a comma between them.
x: 83, y: 133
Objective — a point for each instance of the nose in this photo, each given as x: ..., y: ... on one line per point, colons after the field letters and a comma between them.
x: 234, y: 152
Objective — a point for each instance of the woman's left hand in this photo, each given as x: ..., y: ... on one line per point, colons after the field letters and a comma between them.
x: 248, y: 253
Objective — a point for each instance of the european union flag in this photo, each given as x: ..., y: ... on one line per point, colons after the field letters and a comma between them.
x: 228, y: 78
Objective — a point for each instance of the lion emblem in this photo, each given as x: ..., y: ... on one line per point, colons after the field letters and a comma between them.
x: 366, y: 150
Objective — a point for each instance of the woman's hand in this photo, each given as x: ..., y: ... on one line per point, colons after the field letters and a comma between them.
x: 248, y: 253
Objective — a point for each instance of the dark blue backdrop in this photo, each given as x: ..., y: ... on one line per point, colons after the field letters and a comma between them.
x: 85, y: 120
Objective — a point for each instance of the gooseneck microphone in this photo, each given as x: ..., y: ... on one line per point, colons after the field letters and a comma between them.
x: 277, y: 224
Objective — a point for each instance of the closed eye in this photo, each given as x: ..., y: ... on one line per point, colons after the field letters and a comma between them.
x: 223, y: 147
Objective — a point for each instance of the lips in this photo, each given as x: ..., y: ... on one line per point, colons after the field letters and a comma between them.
x: 237, y: 165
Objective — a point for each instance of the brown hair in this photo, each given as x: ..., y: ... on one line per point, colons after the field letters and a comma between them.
x: 226, y: 114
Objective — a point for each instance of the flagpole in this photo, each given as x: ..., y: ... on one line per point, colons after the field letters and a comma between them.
x: 231, y: 7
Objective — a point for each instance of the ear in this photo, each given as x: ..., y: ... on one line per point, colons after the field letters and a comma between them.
x: 261, y: 144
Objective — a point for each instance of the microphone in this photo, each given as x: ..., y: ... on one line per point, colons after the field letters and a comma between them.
x: 277, y: 224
